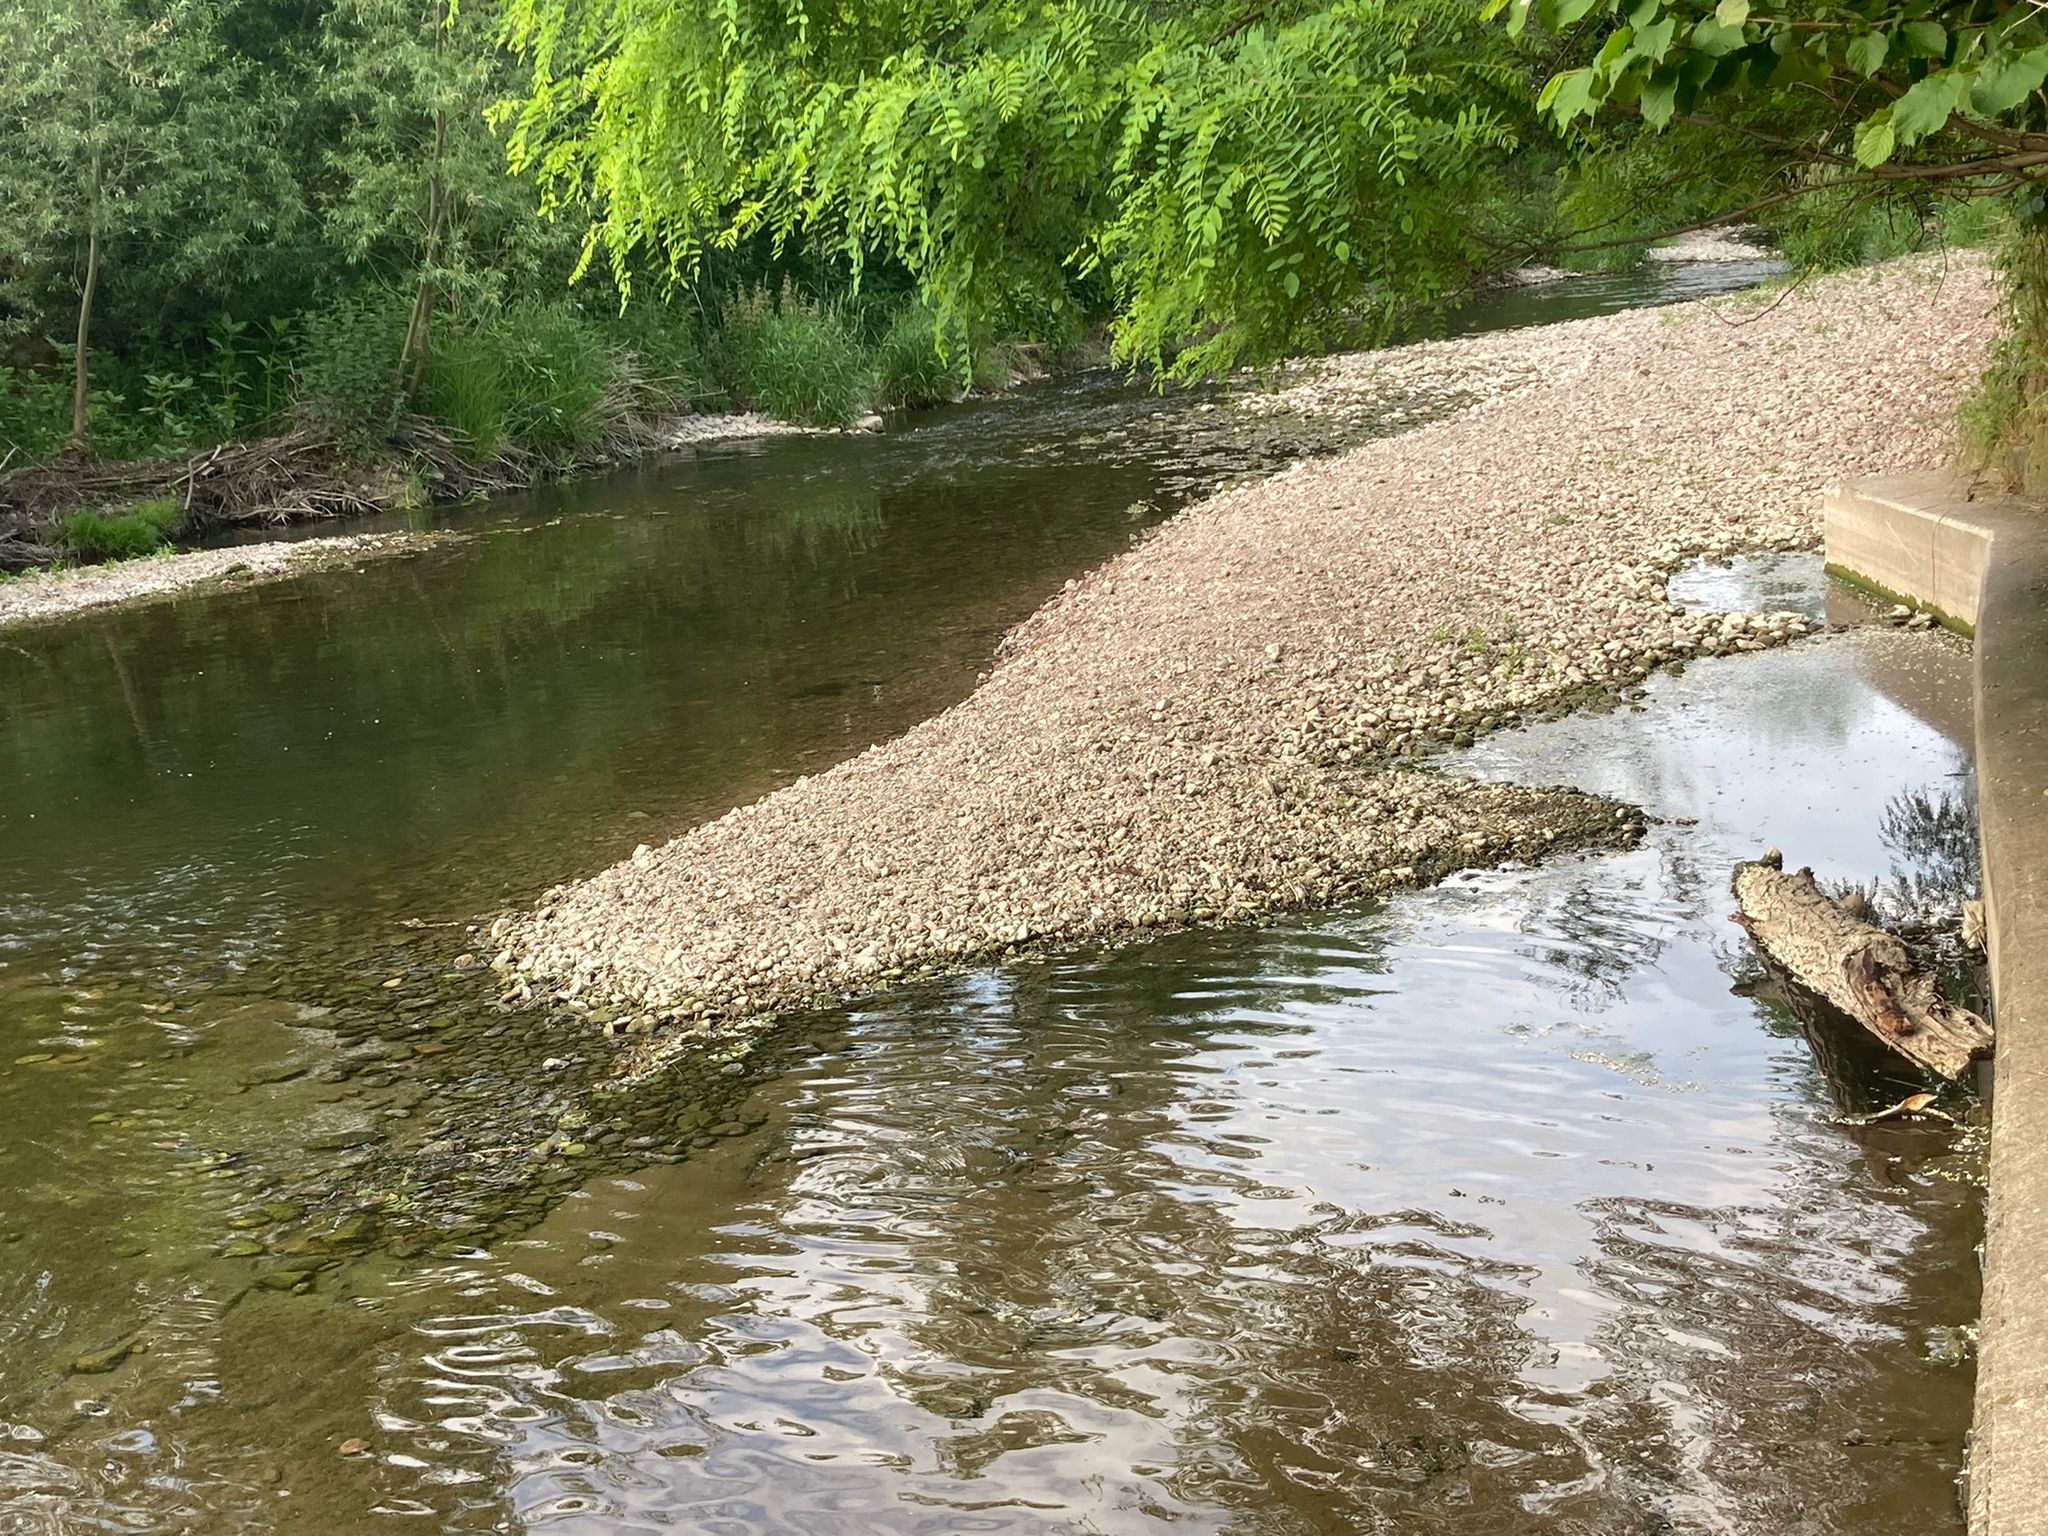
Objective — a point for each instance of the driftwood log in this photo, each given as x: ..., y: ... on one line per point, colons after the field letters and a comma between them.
x: 1864, y: 971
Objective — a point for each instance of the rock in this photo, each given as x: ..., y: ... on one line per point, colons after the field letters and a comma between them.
x: 97, y: 1362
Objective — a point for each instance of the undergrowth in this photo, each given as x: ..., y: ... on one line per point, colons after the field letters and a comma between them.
x: 2002, y: 424
x: 119, y: 534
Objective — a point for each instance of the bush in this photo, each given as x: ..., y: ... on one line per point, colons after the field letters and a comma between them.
x: 908, y: 370
x: 346, y: 368
x: 35, y: 414
x: 794, y: 357
x: 140, y: 529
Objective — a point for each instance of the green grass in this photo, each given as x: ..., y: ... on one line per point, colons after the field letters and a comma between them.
x: 123, y: 534
x: 908, y: 370
x: 543, y: 377
x: 794, y: 357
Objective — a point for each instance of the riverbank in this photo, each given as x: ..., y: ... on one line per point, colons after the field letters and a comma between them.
x: 307, y: 476
x: 1211, y: 726
x: 56, y: 592
x: 41, y: 596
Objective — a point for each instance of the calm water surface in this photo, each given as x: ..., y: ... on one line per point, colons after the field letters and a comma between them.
x: 1512, y: 1206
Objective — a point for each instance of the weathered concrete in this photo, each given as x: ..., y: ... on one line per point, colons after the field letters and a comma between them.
x: 1985, y: 564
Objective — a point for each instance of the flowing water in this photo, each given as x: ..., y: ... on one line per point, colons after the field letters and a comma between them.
x: 1521, y: 1204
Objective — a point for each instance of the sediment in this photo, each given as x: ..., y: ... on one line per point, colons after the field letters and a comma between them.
x: 1221, y: 722
x: 58, y: 594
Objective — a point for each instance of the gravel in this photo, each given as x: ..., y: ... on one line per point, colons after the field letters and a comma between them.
x: 1216, y: 724
x: 44, y: 595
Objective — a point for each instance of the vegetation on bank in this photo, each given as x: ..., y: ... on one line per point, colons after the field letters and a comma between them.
x: 516, y: 231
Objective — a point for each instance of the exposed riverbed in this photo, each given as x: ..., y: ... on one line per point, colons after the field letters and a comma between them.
x: 1492, y: 1208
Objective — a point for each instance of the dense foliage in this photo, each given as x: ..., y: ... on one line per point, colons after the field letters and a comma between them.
x: 1885, y: 91
x: 218, y: 215
x: 1227, y: 180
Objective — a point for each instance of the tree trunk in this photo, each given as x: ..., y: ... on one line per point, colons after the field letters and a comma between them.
x: 419, y: 330
x: 79, y: 393
x: 1864, y: 971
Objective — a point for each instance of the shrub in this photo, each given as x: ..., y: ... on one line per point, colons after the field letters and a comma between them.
x: 794, y: 357
x: 35, y: 414
x: 346, y: 368
x: 123, y: 534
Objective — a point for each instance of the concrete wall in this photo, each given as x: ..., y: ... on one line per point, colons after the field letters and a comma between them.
x: 1984, y: 565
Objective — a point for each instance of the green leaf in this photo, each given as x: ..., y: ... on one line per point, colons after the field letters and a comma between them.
x: 2006, y: 84
x: 1292, y: 283
x: 1930, y: 38
x: 1732, y: 13
x: 1573, y: 97
x: 1566, y: 13
x: 1866, y: 53
x: 1715, y: 40
x: 1654, y: 41
x: 1874, y: 139
x: 1615, y: 47
x: 1660, y: 98
x: 1925, y: 108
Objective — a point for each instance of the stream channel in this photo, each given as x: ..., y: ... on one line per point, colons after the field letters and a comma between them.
x: 1518, y: 1205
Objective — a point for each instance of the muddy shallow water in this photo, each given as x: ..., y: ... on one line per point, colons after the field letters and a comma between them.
x: 1516, y: 1205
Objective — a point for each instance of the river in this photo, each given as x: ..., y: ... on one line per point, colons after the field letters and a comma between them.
x: 1507, y: 1206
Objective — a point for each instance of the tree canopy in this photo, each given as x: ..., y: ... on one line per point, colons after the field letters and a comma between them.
x: 1230, y: 179
x: 1883, y: 91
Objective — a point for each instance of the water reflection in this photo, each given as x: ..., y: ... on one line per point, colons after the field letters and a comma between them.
x: 1494, y: 1210
x: 1509, y: 1207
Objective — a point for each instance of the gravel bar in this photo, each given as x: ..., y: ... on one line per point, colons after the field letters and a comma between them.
x: 1219, y: 723
x: 41, y: 596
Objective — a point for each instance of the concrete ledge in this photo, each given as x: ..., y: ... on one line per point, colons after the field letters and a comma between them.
x: 1984, y: 564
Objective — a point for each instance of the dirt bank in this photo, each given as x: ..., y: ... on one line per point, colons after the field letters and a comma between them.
x: 1207, y: 728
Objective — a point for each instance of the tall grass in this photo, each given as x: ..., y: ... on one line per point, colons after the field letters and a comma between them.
x: 793, y: 356
x: 908, y: 370
x: 2002, y: 425
x: 540, y: 377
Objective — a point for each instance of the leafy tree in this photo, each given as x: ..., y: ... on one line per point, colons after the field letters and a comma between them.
x: 85, y: 121
x: 1845, y: 101
x: 421, y: 197
x: 128, y: 139
x: 1881, y: 91
x: 1239, y: 177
